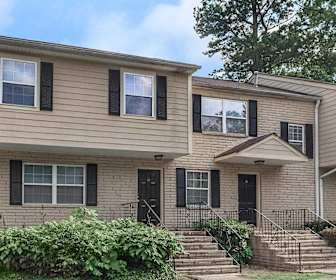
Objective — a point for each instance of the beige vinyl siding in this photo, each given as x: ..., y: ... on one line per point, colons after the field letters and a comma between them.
x: 80, y: 114
x: 327, y: 110
x: 328, y: 128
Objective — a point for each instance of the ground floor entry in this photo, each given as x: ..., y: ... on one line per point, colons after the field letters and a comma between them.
x: 247, y: 198
x: 149, y: 192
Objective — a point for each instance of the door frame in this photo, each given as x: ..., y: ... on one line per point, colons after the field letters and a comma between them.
x: 162, y: 213
x: 258, y: 188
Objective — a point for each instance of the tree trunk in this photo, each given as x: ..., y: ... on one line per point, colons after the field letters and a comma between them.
x: 255, y: 66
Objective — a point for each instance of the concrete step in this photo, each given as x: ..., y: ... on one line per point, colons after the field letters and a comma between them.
x: 190, y: 232
x: 304, y: 243
x: 311, y: 257
x: 297, y: 236
x: 291, y: 232
x: 308, y: 250
x: 200, y: 246
x: 208, y: 270
x: 197, y: 239
x: 202, y: 262
x: 202, y: 254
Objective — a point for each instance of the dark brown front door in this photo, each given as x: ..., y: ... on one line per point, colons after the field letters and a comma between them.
x: 247, y: 185
x: 148, y: 190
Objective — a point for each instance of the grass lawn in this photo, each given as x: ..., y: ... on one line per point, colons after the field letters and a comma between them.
x: 288, y: 276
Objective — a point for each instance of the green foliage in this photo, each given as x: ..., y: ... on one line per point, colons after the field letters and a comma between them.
x: 318, y: 226
x: 164, y: 273
x: 86, y: 246
x: 330, y: 234
x: 290, y: 37
x: 233, y: 236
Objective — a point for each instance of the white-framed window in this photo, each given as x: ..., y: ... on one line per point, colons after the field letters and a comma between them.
x: 138, y: 94
x: 53, y: 184
x: 296, y: 136
x: 226, y: 116
x: 197, y: 187
x: 18, y: 81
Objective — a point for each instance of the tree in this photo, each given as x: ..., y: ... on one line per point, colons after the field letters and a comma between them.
x: 271, y: 36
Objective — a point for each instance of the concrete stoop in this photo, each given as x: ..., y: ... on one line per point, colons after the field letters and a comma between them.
x: 316, y: 253
x: 201, y: 256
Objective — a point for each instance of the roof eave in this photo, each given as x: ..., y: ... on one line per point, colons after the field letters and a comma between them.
x: 65, y: 51
x: 257, y: 92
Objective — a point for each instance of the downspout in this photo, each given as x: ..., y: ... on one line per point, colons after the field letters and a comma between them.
x: 317, y: 161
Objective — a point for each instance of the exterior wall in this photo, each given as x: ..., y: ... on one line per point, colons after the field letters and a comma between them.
x: 117, y: 184
x: 327, y: 124
x: 329, y: 195
x: 80, y: 116
x: 328, y: 128
x: 289, y: 186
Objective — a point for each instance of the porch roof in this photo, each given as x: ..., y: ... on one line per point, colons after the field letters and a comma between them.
x: 268, y: 149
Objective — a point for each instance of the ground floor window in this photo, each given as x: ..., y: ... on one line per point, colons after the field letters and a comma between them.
x: 197, y: 191
x: 54, y: 184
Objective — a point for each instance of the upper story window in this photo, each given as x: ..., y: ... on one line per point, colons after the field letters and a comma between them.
x: 18, y: 82
x: 197, y: 191
x: 56, y: 184
x: 296, y: 136
x: 138, y: 94
x: 226, y: 116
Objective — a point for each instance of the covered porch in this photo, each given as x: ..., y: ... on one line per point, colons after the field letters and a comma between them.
x: 262, y: 163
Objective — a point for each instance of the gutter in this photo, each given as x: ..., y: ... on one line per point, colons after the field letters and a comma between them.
x: 318, y: 186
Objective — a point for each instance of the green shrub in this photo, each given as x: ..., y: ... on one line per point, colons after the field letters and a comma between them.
x: 329, y: 234
x: 226, y: 232
x: 86, y: 246
x: 318, y: 226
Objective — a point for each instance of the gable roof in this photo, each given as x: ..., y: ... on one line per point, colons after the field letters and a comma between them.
x: 251, y: 89
x: 268, y: 149
x: 47, y: 48
x: 244, y: 145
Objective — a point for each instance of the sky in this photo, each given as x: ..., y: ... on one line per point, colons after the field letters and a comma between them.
x: 153, y: 28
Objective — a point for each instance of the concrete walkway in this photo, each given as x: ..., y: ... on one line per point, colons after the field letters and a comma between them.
x: 220, y: 277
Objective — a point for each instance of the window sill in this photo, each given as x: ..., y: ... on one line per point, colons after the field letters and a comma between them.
x: 49, y: 206
x: 139, y: 117
x: 233, y: 135
x: 19, y: 107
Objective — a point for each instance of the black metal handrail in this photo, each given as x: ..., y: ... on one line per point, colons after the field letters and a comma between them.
x: 296, y: 219
x: 198, y: 216
x: 279, y: 237
x: 322, y: 219
x: 152, y: 212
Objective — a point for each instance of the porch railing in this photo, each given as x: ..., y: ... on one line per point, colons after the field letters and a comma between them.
x: 301, y: 219
x: 199, y: 216
x: 279, y: 237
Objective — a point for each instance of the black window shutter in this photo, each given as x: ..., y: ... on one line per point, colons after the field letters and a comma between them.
x: 114, y: 92
x: 46, y: 86
x: 161, y: 97
x: 215, y: 189
x: 309, y: 138
x: 15, y: 185
x: 91, y: 184
x: 284, y: 131
x: 197, y: 112
x: 180, y: 187
x: 253, y: 119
